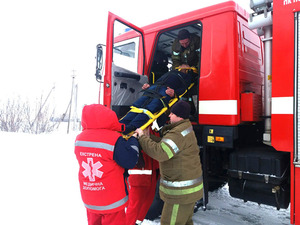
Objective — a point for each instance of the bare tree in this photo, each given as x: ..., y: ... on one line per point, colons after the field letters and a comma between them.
x: 39, y: 120
x: 12, y: 116
x: 18, y: 116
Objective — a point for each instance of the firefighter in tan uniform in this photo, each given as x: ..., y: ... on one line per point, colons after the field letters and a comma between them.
x: 186, y: 50
x: 177, y: 151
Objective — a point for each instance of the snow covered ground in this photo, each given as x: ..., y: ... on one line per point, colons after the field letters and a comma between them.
x: 39, y: 186
x: 225, y: 210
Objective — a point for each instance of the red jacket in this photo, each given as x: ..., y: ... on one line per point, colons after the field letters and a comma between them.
x: 141, y: 177
x: 102, y: 184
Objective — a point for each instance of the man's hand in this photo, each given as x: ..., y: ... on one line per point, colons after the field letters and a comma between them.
x: 146, y: 86
x: 170, y: 92
x: 139, y: 132
x: 184, y: 68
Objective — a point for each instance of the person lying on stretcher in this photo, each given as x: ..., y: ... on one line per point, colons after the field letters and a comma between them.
x: 157, y: 96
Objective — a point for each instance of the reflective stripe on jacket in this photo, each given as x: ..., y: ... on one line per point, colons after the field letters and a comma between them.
x: 177, y: 188
x: 139, y: 172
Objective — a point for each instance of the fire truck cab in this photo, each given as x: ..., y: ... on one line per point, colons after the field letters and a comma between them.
x: 246, y: 98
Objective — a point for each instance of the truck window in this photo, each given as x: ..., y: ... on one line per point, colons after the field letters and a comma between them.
x: 125, y: 54
x: 126, y: 47
x: 127, y: 50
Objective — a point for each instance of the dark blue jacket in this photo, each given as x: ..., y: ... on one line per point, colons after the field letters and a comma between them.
x: 126, y: 153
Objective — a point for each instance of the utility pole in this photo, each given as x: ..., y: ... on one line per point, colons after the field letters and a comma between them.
x: 73, y: 78
x: 41, y: 107
x: 75, y: 116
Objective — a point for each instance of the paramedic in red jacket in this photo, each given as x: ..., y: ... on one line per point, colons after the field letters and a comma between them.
x: 102, y: 155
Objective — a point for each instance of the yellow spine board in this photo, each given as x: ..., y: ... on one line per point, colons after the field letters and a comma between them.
x: 154, y: 116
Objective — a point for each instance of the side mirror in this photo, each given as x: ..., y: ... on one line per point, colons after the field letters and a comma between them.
x: 99, y: 62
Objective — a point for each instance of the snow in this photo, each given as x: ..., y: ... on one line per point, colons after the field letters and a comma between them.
x: 225, y: 210
x: 39, y: 186
x: 39, y: 180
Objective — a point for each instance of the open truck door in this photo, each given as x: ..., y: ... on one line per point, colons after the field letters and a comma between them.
x: 124, y: 66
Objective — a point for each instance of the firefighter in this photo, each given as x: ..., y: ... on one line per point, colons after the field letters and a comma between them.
x: 157, y: 96
x: 102, y: 155
x: 186, y: 53
x: 181, y: 183
x: 185, y: 50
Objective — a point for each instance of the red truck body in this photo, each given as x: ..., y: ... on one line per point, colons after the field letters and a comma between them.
x: 285, y: 106
x: 230, y: 93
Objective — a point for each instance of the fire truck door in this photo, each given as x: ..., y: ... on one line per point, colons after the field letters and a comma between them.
x: 124, y: 66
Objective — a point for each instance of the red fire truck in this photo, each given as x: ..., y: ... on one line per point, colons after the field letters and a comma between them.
x: 246, y: 104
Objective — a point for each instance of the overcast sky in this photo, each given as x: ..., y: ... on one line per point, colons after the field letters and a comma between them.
x: 42, y: 42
